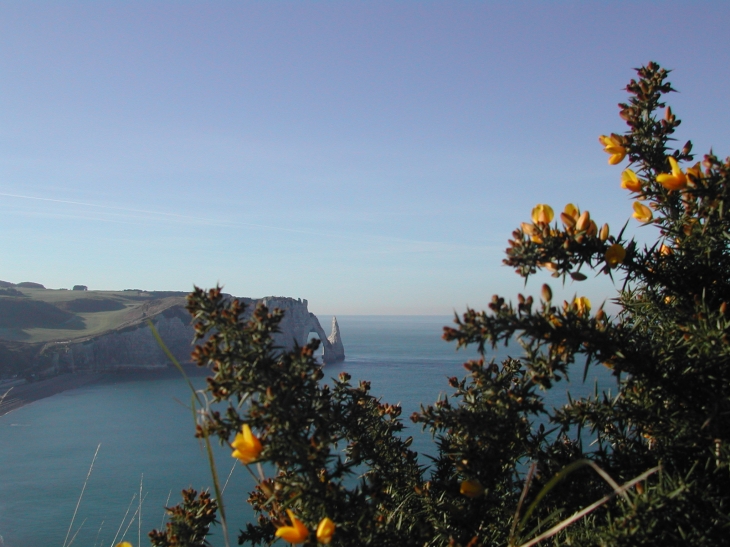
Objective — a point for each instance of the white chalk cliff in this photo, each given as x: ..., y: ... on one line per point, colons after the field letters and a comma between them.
x: 135, y: 347
x: 298, y: 322
x: 337, y: 349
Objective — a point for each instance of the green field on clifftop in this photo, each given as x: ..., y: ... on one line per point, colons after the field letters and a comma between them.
x: 34, y: 315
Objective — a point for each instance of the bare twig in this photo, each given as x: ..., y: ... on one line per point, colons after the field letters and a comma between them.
x: 65, y: 541
x: 525, y: 489
x: 131, y: 520
x: 580, y: 514
x: 98, y: 533
x: 229, y: 476
x: 114, y: 541
x: 172, y: 358
x: 139, y: 513
x: 559, y: 476
x: 206, y: 438
x: 77, y: 533
x: 164, y: 513
x: 216, y: 486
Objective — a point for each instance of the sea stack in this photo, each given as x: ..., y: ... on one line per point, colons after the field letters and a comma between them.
x: 337, y: 351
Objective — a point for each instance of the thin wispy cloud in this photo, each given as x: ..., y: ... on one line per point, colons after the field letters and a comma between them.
x: 130, y: 215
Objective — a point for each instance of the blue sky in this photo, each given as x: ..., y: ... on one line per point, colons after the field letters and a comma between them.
x: 372, y: 157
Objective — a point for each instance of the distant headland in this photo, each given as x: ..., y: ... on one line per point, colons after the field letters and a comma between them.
x: 45, y: 333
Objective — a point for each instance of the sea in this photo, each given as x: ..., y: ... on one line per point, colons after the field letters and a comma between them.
x: 94, y: 466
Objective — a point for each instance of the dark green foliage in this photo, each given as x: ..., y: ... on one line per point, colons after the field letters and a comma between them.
x: 501, y: 477
x: 320, y: 437
x: 189, y: 522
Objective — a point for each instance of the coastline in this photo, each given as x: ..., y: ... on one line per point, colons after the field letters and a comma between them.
x: 20, y: 395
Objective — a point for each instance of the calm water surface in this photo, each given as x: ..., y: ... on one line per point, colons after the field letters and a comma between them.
x: 145, y: 430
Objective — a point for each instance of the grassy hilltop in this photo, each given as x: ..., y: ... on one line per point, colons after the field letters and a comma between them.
x: 32, y: 316
x: 35, y: 315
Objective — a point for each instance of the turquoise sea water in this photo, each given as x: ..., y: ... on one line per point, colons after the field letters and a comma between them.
x: 145, y: 430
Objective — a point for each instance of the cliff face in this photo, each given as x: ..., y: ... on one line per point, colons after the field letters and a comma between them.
x: 298, y: 322
x: 126, y: 348
x: 134, y: 346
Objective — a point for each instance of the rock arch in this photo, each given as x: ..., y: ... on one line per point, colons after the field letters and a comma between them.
x: 298, y: 322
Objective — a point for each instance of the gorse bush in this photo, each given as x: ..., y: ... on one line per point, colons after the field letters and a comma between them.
x: 646, y: 465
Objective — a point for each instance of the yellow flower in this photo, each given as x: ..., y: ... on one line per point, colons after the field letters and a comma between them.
x: 542, y: 213
x: 695, y: 171
x: 630, y: 181
x: 247, y: 446
x: 528, y: 229
x: 582, y: 304
x: 676, y: 180
x: 296, y: 533
x: 572, y: 211
x: 664, y: 250
x: 612, y: 145
x: 642, y: 213
x: 123, y: 544
x: 325, y: 530
x: 615, y: 255
x: 471, y: 489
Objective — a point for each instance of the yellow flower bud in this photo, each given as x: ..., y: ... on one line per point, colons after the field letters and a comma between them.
x: 296, y: 533
x: 547, y: 293
x: 572, y: 211
x: 471, y: 488
x: 542, y: 213
x: 603, y: 236
x: 582, y: 304
x: 695, y: 172
x: 583, y: 221
x: 528, y: 229
x: 567, y: 220
x: 325, y: 530
x: 592, y: 228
